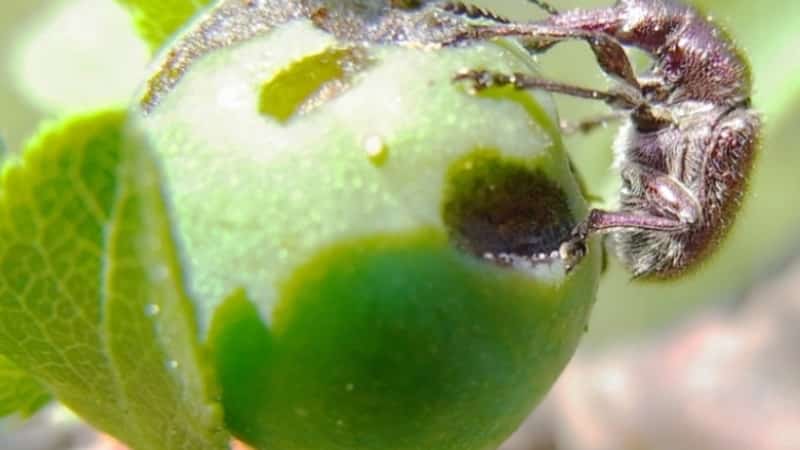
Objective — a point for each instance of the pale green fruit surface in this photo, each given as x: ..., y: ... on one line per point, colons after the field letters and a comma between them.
x: 341, y: 200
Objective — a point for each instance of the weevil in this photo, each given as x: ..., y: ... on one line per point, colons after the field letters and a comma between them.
x: 689, y: 135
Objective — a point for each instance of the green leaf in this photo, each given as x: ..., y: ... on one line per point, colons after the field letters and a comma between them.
x: 91, y: 292
x: 157, y: 20
x: 19, y: 393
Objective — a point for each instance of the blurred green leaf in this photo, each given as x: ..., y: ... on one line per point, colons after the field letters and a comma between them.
x: 157, y: 20
x: 3, y: 150
x: 91, y: 296
x: 19, y: 393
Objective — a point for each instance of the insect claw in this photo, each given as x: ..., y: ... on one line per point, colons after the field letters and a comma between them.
x: 572, y: 251
x: 480, y: 78
x: 463, y: 74
x: 483, y: 79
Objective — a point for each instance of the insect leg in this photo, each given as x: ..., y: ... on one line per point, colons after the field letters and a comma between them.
x: 476, y: 12
x: 483, y: 79
x: 539, y: 36
x: 612, y: 58
x: 600, y: 221
x: 544, y: 6
x: 586, y: 126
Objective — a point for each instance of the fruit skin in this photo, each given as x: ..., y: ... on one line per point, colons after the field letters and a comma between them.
x: 339, y: 312
x: 395, y: 343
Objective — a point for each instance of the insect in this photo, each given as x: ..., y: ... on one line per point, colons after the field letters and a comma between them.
x: 686, y: 146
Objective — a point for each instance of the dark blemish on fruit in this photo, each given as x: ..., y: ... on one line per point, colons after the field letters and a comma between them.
x: 504, y: 210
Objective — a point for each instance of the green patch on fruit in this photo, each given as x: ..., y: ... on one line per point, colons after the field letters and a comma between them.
x: 398, y: 342
x: 306, y: 83
x: 495, y: 204
x: 242, y: 348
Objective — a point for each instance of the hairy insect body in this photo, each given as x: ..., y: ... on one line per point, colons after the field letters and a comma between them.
x: 709, y: 169
x: 707, y: 150
x: 687, y: 144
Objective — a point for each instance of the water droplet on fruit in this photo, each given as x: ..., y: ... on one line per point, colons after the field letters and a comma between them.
x: 376, y: 149
x: 152, y: 310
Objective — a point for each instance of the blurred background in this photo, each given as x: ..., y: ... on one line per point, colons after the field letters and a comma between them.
x: 710, y: 361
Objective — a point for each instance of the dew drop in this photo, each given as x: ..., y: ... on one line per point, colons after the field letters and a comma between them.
x: 152, y: 310
x: 376, y: 149
x: 172, y: 364
x: 350, y: 387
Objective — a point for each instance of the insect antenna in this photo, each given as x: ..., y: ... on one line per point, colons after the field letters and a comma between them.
x: 544, y: 6
x: 473, y: 12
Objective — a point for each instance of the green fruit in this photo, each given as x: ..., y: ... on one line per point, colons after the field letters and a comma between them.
x: 334, y: 204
